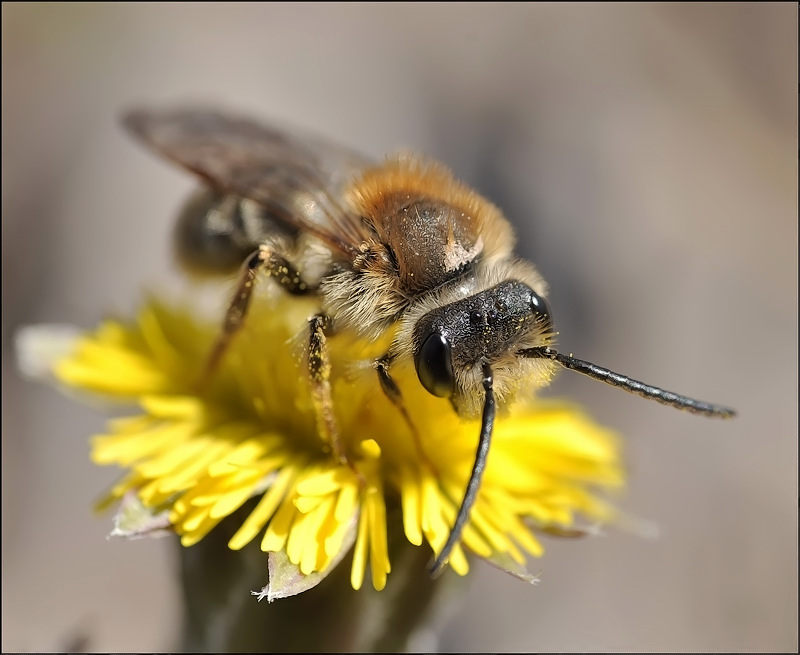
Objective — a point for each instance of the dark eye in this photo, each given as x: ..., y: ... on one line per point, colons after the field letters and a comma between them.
x: 540, y: 308
x: 434, y: 363
x: 476, y: 317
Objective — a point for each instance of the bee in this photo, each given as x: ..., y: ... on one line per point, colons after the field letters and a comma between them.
x: 400, y: 244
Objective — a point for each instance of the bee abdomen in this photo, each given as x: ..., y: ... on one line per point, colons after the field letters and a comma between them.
x: 215, y: 232
x: 208, y: 237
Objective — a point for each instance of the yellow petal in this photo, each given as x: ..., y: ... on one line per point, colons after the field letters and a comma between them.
x: 263, y: 512
x: 360, y: 553
x: 379, y: 551
x: 410, y: 498
x: 325, y: 483
x: 278, y: 528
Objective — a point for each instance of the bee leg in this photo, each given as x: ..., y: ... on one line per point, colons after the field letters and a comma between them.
x: 392, y: 391
x: 262, y: 259
x: 319, y: 368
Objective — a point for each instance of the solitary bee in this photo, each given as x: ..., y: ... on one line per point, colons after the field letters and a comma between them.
x: 397, y: 244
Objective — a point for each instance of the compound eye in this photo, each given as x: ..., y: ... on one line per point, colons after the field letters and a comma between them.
x: 541, y: 309
x: 434, y: 363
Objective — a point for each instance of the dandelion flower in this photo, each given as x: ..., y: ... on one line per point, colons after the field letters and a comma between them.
x: 195, y: 456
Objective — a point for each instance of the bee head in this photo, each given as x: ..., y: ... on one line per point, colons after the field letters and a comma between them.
x: 452, y: 342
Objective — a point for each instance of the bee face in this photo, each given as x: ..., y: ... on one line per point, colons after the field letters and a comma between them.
x: 481, y: 328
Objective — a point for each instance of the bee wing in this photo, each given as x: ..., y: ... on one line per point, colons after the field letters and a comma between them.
x: 299, y: 179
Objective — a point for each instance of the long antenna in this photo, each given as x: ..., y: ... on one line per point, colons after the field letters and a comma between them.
x: 628, y: 384
x: 487, y: 425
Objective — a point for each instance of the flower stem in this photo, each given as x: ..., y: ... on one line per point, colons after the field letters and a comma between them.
x: 221, y: 615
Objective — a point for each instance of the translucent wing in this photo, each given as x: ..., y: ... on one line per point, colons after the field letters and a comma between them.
x: 299, y: 179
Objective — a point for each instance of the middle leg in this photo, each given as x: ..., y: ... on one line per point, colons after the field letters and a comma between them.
x: 319, y: 367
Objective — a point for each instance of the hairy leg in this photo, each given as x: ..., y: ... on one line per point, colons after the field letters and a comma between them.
x: 262, y: 260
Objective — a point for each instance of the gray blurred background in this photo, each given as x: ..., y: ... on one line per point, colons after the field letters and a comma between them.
x: 647, y: 155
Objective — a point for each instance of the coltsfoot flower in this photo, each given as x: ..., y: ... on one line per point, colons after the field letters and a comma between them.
x: 194, y: 455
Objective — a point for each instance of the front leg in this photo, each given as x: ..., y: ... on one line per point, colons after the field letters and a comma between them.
x: 392, y: 391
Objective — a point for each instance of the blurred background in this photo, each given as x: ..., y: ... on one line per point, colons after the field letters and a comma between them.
x: 647, y: 155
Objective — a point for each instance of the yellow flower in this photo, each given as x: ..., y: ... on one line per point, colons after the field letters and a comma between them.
x: 195, y: 456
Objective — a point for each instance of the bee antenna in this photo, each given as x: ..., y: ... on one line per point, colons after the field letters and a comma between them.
x: 628, y: 384
x: 471, y: 493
